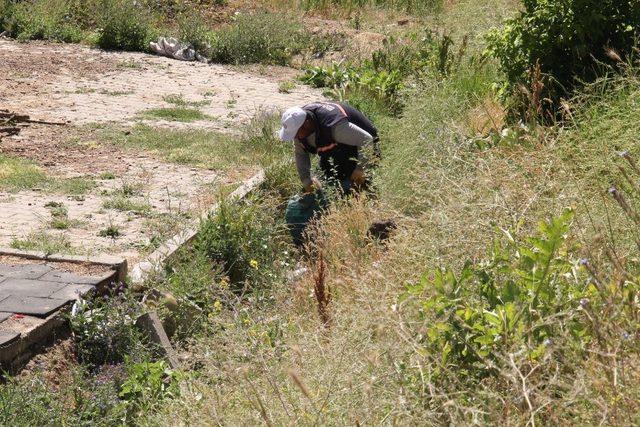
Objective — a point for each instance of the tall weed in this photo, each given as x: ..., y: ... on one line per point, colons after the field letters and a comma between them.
x: 124, y: 25
x: 246, y: 241
x: 49, y: 20
x: 261, y: 37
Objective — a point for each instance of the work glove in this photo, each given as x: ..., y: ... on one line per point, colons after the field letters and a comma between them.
x: 357, y: 177
x: 315, y: 185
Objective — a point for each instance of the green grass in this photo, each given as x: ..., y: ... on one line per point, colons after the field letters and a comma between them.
x: 176, y: 114
x: 44, y: 242
x: 286, y: 87
x: 77, y: 186
x: 124, y: 203
x: 234, y: 154
x: 179, y: 101
x: 17, y: 174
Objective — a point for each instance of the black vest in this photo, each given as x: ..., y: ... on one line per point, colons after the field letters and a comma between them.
x: 336, y: 160
x: 326, y: 115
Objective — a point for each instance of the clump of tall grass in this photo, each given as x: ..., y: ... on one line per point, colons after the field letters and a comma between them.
x: 124, y: 25
x: 51, y: 20
x: 261, y: 37
x: 418, y: 7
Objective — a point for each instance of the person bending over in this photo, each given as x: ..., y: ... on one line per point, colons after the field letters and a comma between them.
x: 340, y: 135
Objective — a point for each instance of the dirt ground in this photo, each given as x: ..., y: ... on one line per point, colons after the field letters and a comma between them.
x: 80, y: 86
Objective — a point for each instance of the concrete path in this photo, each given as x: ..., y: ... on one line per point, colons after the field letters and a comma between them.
x: 37, y: 290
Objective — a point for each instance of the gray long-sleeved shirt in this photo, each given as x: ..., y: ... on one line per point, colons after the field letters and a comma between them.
x: 343, y: 132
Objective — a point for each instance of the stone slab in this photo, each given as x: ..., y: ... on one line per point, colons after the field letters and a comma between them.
x: 23, y: 271
x: 36, y: 306
x: 7, y: 337
x: 118, y: 264
x: 150, y: 324
x: 72, y: 292
x: 23, y: 288
x: 66, y: 277
x: 4, y: 316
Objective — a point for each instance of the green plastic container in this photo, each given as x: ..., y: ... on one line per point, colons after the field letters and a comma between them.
x: 301, y: 209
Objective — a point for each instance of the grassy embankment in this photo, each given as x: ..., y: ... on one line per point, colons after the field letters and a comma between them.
x: 542, y: 330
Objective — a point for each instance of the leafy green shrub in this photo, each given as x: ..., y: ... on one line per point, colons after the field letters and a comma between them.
x: 262, y: 37
x: 194, y: 30
x: 49, y: 20
x: 570, y: 39
x: 382, y: 78
x: 148, y: 384
x: 528, y: 298
x: 104, y: 330
x: 124, y: 25
x: 245, y: 240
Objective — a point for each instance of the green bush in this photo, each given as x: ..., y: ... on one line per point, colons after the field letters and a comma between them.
x: 194, y: 30
x: 570, y: 39
x: 262, y: 37
x: 245, y: 240
x: 148, y: 384
x: 104, y: 330
x: 124, y: 25
x: 49, y: 20
x: 531, y: 298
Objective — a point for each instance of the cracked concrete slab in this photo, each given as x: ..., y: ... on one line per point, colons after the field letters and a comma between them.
x: 36, y: 306
x: 20, y: 271
x: 72, y: 292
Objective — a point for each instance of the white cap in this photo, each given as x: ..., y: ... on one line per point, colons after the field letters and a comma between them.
x: 292, y: 120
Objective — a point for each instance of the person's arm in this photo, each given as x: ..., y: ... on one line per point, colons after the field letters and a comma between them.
x: 303, y: 164
x: 350, y: 134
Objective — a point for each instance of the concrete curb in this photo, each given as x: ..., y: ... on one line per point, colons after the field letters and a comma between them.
x: 154, y: 262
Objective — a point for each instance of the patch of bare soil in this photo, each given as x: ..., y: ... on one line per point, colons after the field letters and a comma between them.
x: 54, y: 365
x: 82, y: 85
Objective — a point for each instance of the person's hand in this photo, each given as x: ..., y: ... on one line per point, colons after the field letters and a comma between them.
x: 357, y: 177
x: 315, y: 185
